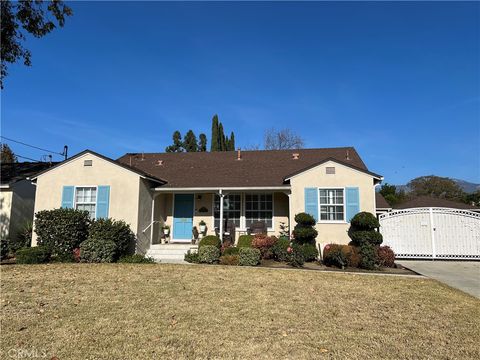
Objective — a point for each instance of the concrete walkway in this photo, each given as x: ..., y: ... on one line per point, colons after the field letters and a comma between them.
x: 462, y: 275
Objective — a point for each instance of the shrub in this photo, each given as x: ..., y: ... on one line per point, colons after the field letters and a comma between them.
x: 310, y: 252
x: 295, y: 256
x: 279, y: 249
x: 3, y: 249
x: 95, y: 250
x: 230, y: 259
x: 334, y: 256
x: 368, y: 256
x: 67, y: 257
x: 136, y: 259
x: 61, y: 230
x: 363, y: 230
x: 304, y: 232
x: 116, y: 231
x: 23, y: 239
x: 191, y: 257
x: 208, y: 254
x: 385, y: 256
x: 33, y: 255
x: 245, y: 241
x: 231, y: 250
x: 249, y: 256
x: 210, y: 240
x: 264, y: 243
x: 352, y: 255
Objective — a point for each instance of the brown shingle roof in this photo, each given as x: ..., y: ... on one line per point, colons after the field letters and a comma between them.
x: 222, y: 169
x: 380, y: 201
x: 428, y: 201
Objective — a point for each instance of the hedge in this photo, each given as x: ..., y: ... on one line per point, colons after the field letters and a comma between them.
x: 245, y: 241
x: 33, y: 255
x: 210, y: 240
x: 116, y: 231
x: 249, y: 256
x: 95, y: 250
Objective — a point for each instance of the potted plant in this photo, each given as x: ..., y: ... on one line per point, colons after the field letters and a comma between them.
x: 203, y: 226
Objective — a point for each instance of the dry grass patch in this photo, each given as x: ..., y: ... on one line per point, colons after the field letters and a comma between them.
x: 128, y: 311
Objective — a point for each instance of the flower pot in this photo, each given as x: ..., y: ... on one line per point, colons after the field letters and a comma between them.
x: 203, y: 228
x: 166, y: 231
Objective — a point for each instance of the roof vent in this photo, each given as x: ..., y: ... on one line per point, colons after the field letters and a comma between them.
x: 295, y: 156
x: 159, y: 163
x: 347, y: 155
x: 239, y: 154
x: 87, y: 162
x: 143, y: 157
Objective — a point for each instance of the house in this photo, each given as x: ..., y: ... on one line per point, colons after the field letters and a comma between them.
x: 17, y: 196
x: 382, y: 206
x: 429, y: 201
x: 152, y: 190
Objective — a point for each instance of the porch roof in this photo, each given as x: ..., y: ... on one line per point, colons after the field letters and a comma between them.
x: 223, y: 170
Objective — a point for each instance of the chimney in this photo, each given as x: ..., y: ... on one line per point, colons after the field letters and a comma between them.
x: 239, y: 154
x: 295, y: 156
x: 143, y: 157
x: 347, y: 155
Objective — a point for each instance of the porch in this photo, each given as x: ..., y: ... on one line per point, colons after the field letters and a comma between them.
x: 178, y: 215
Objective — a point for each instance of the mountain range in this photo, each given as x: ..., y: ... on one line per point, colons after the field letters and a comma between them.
x: 466, y: 186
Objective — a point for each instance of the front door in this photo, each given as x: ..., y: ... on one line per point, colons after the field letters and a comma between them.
x: 183, y: 217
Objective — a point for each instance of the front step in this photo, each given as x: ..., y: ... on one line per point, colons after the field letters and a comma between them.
x: 170, y: 253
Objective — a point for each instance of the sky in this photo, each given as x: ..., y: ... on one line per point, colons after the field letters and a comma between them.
x: 398, y: 81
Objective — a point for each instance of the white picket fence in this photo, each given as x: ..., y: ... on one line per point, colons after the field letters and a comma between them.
x: 432, y: 233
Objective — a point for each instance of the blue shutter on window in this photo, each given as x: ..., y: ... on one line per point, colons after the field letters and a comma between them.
x: 103, y: 198
x: 311, y: 202
x: 352, y: 202
x: 67, y: 197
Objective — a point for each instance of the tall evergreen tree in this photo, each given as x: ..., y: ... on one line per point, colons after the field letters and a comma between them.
x: 214, y: 146
x: 221, y: 136
x: 232, y: 142
x: 177, y: 143
x: 190, y: 142
x: 202, y: 146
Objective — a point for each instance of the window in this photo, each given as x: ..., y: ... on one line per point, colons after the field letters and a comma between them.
x: 231, y: 209
x: 86, y: 199
x: 259, y: 207
x: 332, y: 205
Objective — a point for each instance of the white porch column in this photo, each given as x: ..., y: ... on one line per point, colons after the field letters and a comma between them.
x: 152, y: 219
x: 289, y: 214
x: 221, y: 214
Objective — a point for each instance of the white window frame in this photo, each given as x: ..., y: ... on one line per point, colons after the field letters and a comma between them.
x: 243, y: 219
x: 344, y: 221
x: 75, y: 197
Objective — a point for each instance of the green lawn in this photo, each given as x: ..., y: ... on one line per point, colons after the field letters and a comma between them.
x: 122, y: 311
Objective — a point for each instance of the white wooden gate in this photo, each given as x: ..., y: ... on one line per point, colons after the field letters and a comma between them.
x: 433, y: 233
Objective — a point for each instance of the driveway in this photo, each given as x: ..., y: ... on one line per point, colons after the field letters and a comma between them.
x: 462, y: 275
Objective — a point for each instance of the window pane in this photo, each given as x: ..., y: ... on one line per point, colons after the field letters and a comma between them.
x: 331, y: 204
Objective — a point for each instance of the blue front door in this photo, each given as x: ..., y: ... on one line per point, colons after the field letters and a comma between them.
x: 183, y: 217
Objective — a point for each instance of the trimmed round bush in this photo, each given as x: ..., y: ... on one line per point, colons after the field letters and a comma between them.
x: 334, y: 256
x: 305, y: 219
x: 116, y: 231
x: 208, y: 254
x: 33, y: 255
x: 364, y: 221
x: 295, y: 256
x: 245, y: 241
x: 304, y: 232
x: 310, y: 252
x: 249, y: 256
x: 210, y: 240
x: 232, y: 250
x: 372, y: 237
x: 61, y: 230
x: 136, y: 259
x: 279, y: 249
x: 385, y: 256
x: 95, y: 250
x: 230, y: 259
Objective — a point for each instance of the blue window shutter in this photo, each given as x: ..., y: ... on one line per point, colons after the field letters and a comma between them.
x: 311, y: 202
x: 352, y: 202
x: 103, y: 199
x: 67, y: 197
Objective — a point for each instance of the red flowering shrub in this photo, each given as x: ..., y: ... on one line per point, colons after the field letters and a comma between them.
x: 385, y: 256
x: 341, y: 255
x: 264, y: 243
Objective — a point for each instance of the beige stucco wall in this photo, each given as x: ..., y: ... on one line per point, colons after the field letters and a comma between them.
x: 124, y: 188
x: 343, y: 177
x: 6, y: 197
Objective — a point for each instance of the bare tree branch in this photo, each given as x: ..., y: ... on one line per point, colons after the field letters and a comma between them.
x: 282, y: 140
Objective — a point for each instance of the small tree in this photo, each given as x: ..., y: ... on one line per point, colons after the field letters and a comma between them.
x: 282, y: 140
x: 304, y: 232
